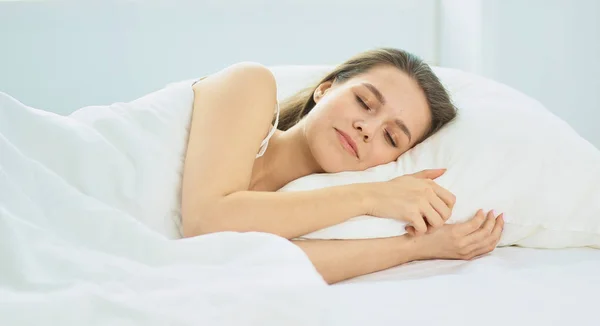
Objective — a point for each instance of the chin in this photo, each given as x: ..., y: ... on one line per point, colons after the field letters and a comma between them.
x: 330, y: 156
x: 333, y: 161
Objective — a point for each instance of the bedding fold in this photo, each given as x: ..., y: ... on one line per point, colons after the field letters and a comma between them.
x: 74, y: 244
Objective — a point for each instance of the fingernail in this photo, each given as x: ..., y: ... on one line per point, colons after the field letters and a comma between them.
x: 493, y: 213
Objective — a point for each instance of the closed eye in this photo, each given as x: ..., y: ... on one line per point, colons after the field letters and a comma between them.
x: 362, y: 103
x: 390, y: 139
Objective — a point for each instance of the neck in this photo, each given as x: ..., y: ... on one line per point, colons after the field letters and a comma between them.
x: 288, y: 157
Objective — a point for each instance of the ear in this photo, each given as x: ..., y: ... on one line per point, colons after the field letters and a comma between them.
x: 321, y: 90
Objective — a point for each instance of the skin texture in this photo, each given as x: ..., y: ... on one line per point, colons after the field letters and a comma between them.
x: 371, y: 124
x: 232, y: 114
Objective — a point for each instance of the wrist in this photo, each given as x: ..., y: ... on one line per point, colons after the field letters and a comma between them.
x: 408, y: 249
x: 417, y: 247
x: 362, y: 198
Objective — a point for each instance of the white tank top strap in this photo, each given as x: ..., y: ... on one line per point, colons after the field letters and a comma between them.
x: 265, y: 143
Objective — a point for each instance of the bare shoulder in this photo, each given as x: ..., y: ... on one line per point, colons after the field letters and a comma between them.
x: 232, y: 114
x: 247, y: 80
x: 242, y: 70
x: 240, y: 98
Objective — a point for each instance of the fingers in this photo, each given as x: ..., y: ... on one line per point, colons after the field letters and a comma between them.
x: 484, y: 231
x: 473, y: 225
x: 429, y: 174
x: 488, y: 243
x: 433, y: 217
x: 445, y: 195
x: 418, y: 223
x: 410, y: 230
x: 444, y: 200
x: 438, y: 204
x: 486, y: 227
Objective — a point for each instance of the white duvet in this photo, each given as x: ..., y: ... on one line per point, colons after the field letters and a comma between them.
x: 75, y: 249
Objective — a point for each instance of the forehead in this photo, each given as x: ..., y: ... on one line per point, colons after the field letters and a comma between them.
x: 395, y: 85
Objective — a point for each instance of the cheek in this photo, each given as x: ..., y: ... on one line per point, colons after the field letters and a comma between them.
x: 324, y: 150
x: 318, y: 118
x: 325, y: 116
x: 382, y: 155
x: 333, y: 108
x: 337, y: 109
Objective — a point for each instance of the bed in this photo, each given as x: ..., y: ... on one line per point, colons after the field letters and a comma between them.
x: 88, y: 237
x: 502, y: 260
x: 510, y: 286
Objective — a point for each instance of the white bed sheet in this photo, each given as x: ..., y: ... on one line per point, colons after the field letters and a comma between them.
x: 511, y: 286
x: 509, y: 259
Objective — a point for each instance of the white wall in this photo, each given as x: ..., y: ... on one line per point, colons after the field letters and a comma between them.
x: 548, y: 49
x: 62, y: 56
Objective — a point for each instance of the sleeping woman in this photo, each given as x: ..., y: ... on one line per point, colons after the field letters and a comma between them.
x: 366, y: 112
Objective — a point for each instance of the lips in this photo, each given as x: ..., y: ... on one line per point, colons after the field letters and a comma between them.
x: 347, y: 142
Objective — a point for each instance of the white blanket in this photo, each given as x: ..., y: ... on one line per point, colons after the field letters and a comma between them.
x: 74, y: 253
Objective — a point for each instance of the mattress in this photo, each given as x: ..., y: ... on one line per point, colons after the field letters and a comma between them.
x: 507, y: 259
x: 510, y: 286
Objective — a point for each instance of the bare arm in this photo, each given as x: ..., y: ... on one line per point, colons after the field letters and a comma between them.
x: 338, y: 260
x: 287, y: 214
x: 232, y: 114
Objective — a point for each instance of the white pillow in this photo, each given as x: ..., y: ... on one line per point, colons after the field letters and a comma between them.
x: 504, y: 151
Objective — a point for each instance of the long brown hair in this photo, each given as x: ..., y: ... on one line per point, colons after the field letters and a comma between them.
x: 297, y: 106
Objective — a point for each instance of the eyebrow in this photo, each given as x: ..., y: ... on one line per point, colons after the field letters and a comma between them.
x: 404, y: 129
x: 375, y: 92
x: 381, y: 99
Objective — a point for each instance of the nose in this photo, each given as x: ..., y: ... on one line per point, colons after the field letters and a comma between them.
x: 365, y: 130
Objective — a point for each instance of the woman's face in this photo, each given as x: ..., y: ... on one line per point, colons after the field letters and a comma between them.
x: 367, y: 120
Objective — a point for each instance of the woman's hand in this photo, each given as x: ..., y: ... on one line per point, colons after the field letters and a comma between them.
x: 414, y: 198
x: 466, y: 240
